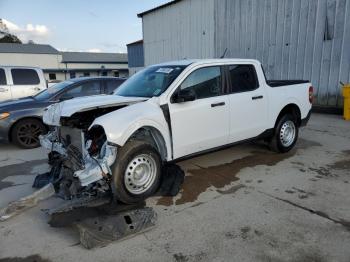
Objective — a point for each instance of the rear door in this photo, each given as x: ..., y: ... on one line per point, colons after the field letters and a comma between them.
x: 203, y: 123
x: 26, y: 82
x: 247, y: 102
x: 5, y: 90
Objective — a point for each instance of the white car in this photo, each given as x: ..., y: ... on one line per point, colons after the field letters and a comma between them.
x: 17, y: 82
x: 169, y: 112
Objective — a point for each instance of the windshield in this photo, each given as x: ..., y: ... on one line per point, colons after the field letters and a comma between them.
x: 52, y: 90
x: 150, y: 82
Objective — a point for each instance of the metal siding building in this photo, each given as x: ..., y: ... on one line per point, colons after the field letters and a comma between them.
x: 294, y: 39
x: 181, y: 30
x: 136, y: 60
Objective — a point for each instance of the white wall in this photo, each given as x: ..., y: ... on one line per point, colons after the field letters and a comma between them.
x: 94, y: 65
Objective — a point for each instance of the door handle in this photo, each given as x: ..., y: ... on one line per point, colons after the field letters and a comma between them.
x: 218, y: 104
x: 257, y: 97
x: 3, y: 89
x: 36, y: 88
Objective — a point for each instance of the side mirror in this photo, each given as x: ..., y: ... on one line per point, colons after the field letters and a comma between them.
x: 185, y: 95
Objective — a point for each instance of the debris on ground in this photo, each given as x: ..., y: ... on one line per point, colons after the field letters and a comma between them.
x: 27, y: 202
x: 100, y: 231
x: 172, y: 179
x: 63, y: 218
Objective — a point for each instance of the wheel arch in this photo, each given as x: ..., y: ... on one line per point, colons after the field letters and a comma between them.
x: 290, y: 109
x: 154, y: 136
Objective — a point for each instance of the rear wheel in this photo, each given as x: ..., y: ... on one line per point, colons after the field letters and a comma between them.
x: 286, y: 134
x: 136, y: 172
x: 26, y: 133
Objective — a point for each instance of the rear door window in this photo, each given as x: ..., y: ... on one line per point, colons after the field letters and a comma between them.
x: 2, y: 77
x: 112, y: 85
x: 243, y: 78
x: 21, y: 76
x: 85, y: 89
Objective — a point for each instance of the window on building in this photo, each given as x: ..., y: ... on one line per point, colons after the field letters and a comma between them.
x: 85, y: 89
x: 116, y: 73
x: 205, y: 82
x: 112, y: 85
x: 86, y: 74
x: 104, y: 73
x: 2, y: 77
x: 243, y: 78
x: 72, y: 75
x: 25, y: 77
x: 52, y: 76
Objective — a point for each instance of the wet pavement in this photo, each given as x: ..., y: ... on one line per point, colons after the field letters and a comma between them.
x: 240, y: 204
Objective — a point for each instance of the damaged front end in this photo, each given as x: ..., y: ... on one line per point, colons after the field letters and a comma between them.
x: 81, y: 158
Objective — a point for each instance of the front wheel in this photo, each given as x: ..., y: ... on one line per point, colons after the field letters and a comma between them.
x: 136, y: 172
x: 26, y: 132
x: 286, y: 134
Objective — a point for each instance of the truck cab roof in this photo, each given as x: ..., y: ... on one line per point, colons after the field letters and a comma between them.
x: 187, y: 62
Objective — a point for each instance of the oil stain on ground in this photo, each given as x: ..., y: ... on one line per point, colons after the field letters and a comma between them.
x: 15, y: 170
x: 219, y: 176
x: 32, y: 258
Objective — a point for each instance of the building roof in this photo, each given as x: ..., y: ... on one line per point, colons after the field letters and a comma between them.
x: 136, y: 42
x: 27, y: 48
x: 157, y: 8
x: 86, y: 57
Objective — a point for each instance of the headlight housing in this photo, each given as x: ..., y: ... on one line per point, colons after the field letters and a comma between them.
x: 4, y: 115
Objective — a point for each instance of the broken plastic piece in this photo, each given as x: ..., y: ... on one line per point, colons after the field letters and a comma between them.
x: 100, y: 231
x: 172, y: 179
x: 27, y: 202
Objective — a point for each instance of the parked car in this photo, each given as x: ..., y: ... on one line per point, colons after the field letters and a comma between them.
x: 170, y: 112
x: 17, y: 82
x: 21, y: 119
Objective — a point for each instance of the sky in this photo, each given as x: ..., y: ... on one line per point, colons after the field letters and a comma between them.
x: 77, y: 25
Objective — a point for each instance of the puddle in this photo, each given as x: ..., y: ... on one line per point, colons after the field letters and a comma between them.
x: 199, y: 180
x: 219, y: 176
x: 19, y: 169
x: 5, y: 184
x: 32, y: 258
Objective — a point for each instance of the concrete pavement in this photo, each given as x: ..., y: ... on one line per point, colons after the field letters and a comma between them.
x: 240, y: 204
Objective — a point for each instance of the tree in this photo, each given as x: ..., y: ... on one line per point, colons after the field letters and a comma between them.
x: 6, y: 36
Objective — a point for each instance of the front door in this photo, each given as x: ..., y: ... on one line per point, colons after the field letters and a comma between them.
x: 5, y: 91
x: 203, y: 123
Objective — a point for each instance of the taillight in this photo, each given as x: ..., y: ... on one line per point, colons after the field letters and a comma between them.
x: 311, y: 94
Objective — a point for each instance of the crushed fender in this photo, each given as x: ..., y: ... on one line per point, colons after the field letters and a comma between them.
x: 27, y: 202
x: 101, y: 231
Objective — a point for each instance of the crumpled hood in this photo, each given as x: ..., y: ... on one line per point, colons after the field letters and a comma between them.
x: 54, y: 112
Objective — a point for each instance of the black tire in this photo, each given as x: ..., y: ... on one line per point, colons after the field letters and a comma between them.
x: 125, y: 155
x: 25, y: 133
x: 276, y: 142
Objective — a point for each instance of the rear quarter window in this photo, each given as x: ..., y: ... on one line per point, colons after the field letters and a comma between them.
x: 2, y: 77
x: 25, y: 77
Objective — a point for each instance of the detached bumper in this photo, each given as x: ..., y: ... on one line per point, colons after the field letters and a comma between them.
x: 305, y: 120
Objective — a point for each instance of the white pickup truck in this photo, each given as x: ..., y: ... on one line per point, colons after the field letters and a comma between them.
x: 169, y: 112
